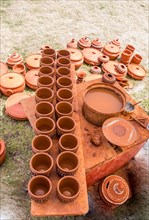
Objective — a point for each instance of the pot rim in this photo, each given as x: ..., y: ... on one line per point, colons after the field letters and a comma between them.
x: 63, y: 86
x: 43, y: 85
x: 44, y: 136
x: 64, y: 99
x: 47, y: 114
x: 68, y: 149
x: 46, y: 118
x: 46, y: 89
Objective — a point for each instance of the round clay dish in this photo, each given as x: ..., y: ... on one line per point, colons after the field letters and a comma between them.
x: 31, y: 78
x: 3, y: 68
x: 111, y: 48
x: 91, y: 56
x: 33, y: 61
x: 75, y: 54
x: 136, y: 71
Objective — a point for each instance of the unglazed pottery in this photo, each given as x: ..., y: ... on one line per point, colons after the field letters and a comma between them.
x: 63, y: 53
x: 103, y: 58
x: 64, y: 82
x: 97, y: 44
x: 72, y: 44
x: 49, y: 52
x: 112, y: 51
x: 63, y: 109
x: 130, y: 47
x: 3, y: 68
x: 95, y: 69
x: 44, y: 94
x: 80, y: 76
x: 44, y: 109
x: 136, y: 59
x: 84, y: 42
x: 76, y: 57
x: 33, y: 61
x: 45, y: 81
x: 46, y: 126
x: 68, y: 142
x: 108, y: 78
x: 121, y: 68
x: 46, y: 70
x: 116, y: 42
x: 136, y: 72
x: 62, y: 61
x: 19, y: 68
x: 13, y: 59
x: 91, y: 56
x: 31, y: 78
x: 42, y: 144
x: 63, y: 71
x: 126, y: 56
x: 65, y: 124
x: 2, y: 151
x: 46, y: 61
x: 64, y: 95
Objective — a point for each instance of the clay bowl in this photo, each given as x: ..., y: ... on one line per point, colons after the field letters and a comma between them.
x: 2, y: 151
x: 65, y: 124
x: 63, y: 71
x: 44, y: 94
x: 41, y: 144
x: 63, y: 109
x: 63, y: 53
x: 44, y: 109
x: 68, y: 189
x: 64, y: 82
x: 45, y: 81
x: 19, y: 68
x: 46, y: 70
x: 49, y: 52
x: 64, y: 95
x: 65, y: 62
x: 39, y: 188
x: 130, y: 47
x: 45, y: 125
x: 68, y: 142
x: 46, y: 61
x: 136, y: 59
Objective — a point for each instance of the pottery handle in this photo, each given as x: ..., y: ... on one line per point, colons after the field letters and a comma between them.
x: 9, y: 92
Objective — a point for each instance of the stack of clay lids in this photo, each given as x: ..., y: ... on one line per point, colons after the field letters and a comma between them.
x: 84, y: 42
x: 111, y: 50
x: 3, y: 68
x: 76, y: 57
x: 14, y: 108
x: 119, y: 131
x: 116, y: 42
x: 135, y: 71
x: 33, y: 61
x: 97, y: 44
x: 114, y: 190
x: 31, y: 78
x: 91, y: 56
x: 72, y: 44
x: 14, y: 59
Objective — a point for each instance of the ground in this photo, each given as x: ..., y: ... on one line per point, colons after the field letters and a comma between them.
x: 25, y: 26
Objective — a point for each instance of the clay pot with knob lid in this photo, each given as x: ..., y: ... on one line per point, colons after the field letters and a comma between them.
x: 84, y: 42
x: 112, y: 51
x: 116, y: 42
x: 13, y: 59
x: 42, y: 144
x: 72, y: 44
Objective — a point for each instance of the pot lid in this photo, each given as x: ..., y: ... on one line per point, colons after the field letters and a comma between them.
x: 110, y: 67
x: 84, y: 42
x: 72, y: 44
x: 12, y: 80
x: 14, y: 108
x: 33, y: 61
x: 31, y: 78
x: 137, y: 71
x: 97, y: 43
x: 13, y: 59
x: 119, y: 131
x: 75, y: 54
x: 91, y: 55
x: 3, y: 68
x: 111, y: 48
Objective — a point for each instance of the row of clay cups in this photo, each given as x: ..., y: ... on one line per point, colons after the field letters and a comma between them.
x: 50, y: 62
x: 49, y: 71
x: 50, y: 52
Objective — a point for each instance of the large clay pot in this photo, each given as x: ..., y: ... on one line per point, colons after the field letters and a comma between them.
x: 44, y: 94
x: 68, y: 142
x: 46, y: 70
x: 19, y: 68
x: 62, y: 61
x: 136, y: 59
x: 41, y: 144
x: 45, y: 81
x: 44, y: 109
x: 45, y: 126
x: 49, y: 52
x: 65, y: 124
x: 64, y: 95
x: 64, y: 82
x: 2, y: 151
x: 63, y: 109
x: 46, y: 61
x: 63, y: 53
x: 63, y: 71
x: 39, y: 188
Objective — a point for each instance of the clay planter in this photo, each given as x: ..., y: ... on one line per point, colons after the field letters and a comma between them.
x: 2, y: 151
x: 64, y: 82
x: 65, y: 124
x: 68, y: 142
x: 45, y: 81
x: 44, y: 109
x: 62, y: 61
x: 136, y: 59
x: 63, y: 71
x: 46, y: 126
x: 46, y: 61
x: 49, y: 52
x: 13, y: 59
x: 68, y: 189
x: 63, y: 53
x: 39, y: 188
x: 130, y: 47
x: 103, y: 58
x: 95, y: 70
x: 46, y: 70
x: 72, y: 44
x: 19, y: 68
x: 44, y: 94
x: 64, y: 95
x: 41, y: 144
x: 63, y: 109
x: 41, y: 164
x: 108, y: 78
x: 84, y: 42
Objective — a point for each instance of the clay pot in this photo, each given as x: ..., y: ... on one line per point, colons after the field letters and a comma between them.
x: 49, y: 52
x: 46, y: 70
x: 2, y: 151
x: 13, y: 59
x: 121, y: 68
x: 65, y: 124
x: 97, y: 44
x: 63, y: 53
x: 45, y: 46
x: 63, y: 109
x: 72, y: 44
x: 68, y: 189
x: 64, y: 95
x: 41, y: 144
x: 112, y: 51
x: 95, y: 70
x: 103, y: 58
x: 63, y: 71
x: 64, y: 82
x: 19, y: 68
x: 84, y: 42
x: 80, y: 76
x: 39, y: 188
x: 108, y: 78
x: 45, y: 81
x: 91, y: 56
x: 46, y: 61
x: 130, y: 47
x: 33, y: 61
x: 44, y: 94
x: 62, y: 61
x: 76, y: 57
x: 116, y: 42
x: 46, y: 126
x: 31, y: 78
x: 136, y: 59
x: 136, y: 72
x: 68, y: 142
x: 44, y: 109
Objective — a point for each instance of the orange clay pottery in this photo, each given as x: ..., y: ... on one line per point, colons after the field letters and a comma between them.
x: 72, y: 44
x: 44, y: 94
x: 135, y: 71
x: 19, y: 68
x: 84, y: 42
x: 49, y: 52
x: 42, y: 144
x: 112, y: 51
x: 31, y: 78
x: 108, y: 78
x: 103, y: 58
x: 45, y: 125
x: 64, y: 82
x: 44, y: 109
x: 41, y: 164
x: 2, y: 151
x: 46, y: 70
x: 64, y: 95
x: 45, y: 46
x: 68, y: 142
x: 13, y: 59
x: 116, y: 42
x: 63, y: 71
x: 80, y: 76
x: 63, y: 53
x: 76, y: 57
x: 136, y: 59
x: 45, y: 81
x: 91, y: 56
x: 95, y: 70
x: 64, y: 62
x: 46, y: 61
x: 130, y: 47
x: 129, y: 108
x: 33, y: 61
x: 3, y: 68
x: 126, y: 56
x: 39, y: 188
x: 65, y: 124
x: 97, y: 44
x: 63, y: 109
x: 68, y: 189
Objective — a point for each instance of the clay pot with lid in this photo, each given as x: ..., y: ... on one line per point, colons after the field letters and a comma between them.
x: 46, y: 61
x: 84, y: 42
x: 44, y: 109
x: 68, y: 189
x: 31, y: 78
x: 108, y: 78
x: 130, y: 47
x: 112, y: 51
x: 63, y: 53
x: 97, y: 44
x: 63, y: 71
x: 76, y: 57
x: 49, y: 52
x: 64, y: 95
x: 2, y: 151
x: 46, y: 70
x: 44, y: 94
x: 13, y: 59
x: 72, y: 44
x: 136, y: 59
x: 42, y: 144
x: 63, y: 109
x: 33, y: 61
x: 39, y: 188
x: 103, y: 58
x: 80, y: 76
x: 64, y: 82
x: 64, y: 62
x: 65, y: 124
x: 68, y: 142
x: 45, y: 125
x: 19, y: 68
x: 116, y: 42
x: 45, y: 81
x: 95, y: 70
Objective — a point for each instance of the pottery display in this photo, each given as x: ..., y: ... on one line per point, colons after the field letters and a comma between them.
x: 63, y: 53
x: 44, y: 109
x: 95, y: 70
x: 45, y: 81
x: 108, y: 78
x: 103, y: 58
x: 49, y: 52
x: 84, y: 42
x: 126, y: 56
x: 130, y: 47
x: 72, y: 44
x: 65, y: 124
x: 44, y: 94
x: 76, y: 57
x: 2, y: 151
x: 91, y: 56
x: 46, y: 61
x: 64, y: 62
x: 111, y: 50
x: 136, y: 72
x: 116, y: 42
x: 63, y: 109
x: 64, y: 82
x: 136, y: 59
x: 31, y: 78
x: 3, y: 68
x: 45, y: 125
x: 19, y: 68
x: 46, y: 70
x: 63, y: 71
x: 64, y: 95
x: 97, y: 44
x: 13, y: 59
x: 33, y: 61
x: 41, y: 144
x: 68, y: 142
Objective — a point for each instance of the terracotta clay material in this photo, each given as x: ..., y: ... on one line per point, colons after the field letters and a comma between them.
x: 49, y: 52
x: 108, y: 78
x: 63, y: 109
x: 44, y: 109
x: 116, y: 42
x: 2, y: 151
x: 63, y: 71
x: 111, y: 50
x: 44, y: 94
x: 97, y: 44
x: 64, y: 62
x: 91, y: 56
x: 65, y: 124
x: 45, y: 125
x: 31, y: 78
x: 64, y: 95
x: 13, y: 59
x: 46, y: 61
x: 126, y: 56
x: 136, y: 59
x: 76, y: 57
x: 45, y: 46
x: 39, y: 188
x: 46, y: 70
x: 103, y: 58
x: 121, y: 68
x: 68, y: 142
x: 72, y: 44
x: 3, y: 68
x: 19, y: 68
x: 95, y: 70
x: 33, y: 61
x: 42, y: 144
x: 84, y: 42
x: 63, y: 53
x: 80, y: 76
x: 45, y: 81
x: 130, y: 47
x: 64, y: 82
x: 68, y: 189
x: 136, y: 72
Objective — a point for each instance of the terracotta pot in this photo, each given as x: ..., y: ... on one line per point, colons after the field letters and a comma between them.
x: 46, y: 61
x: 95, y: 70
x: 46, y: 126
x: 31, y: 78
x: 33, y: 61
x: 63, y: 71
x: 126, y: 56
x: 64, y: 82
x: 46, y: 70
x: 62, y: 61
x: 108, y: 78
x: 136, y: 72
x: 116, y: 42
x: 19, y: 68
x: 45, y: 46
x: 44, y: 94
x: 65, y: 124
x: 45, y: 81
x: 13, y: 59
x: 2, y: 151
x: 68, y: 189
x: 103, y: 59
x: 44, y: 109
x: 136, y: 59
x: 80, y: 76
x: 130, y: 47
x: 63, y: 109
x: 76, y: 57
x: 41, y: 144
x: 39, y: 188
x: 112, y: 51
x: 49, y: 52
x: 63, y: 53
x: 97, y: 44
x: 84, y: 42
x: 72, y: 44
x: 91, y: 56
x: 64, y: 95
x: 68, y: 142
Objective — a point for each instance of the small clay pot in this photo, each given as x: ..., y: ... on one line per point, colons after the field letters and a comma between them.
x: 46, y: 61
x: 39, y: 188
x: 63, y: 71
x: 68, y: 189
x: 62, y: 61
x: 46, y: 126
x: 103, y: 59
x: 136, y: 59
x: 45, y: 46
x: 49, y: 52
x: 116, y: 42
x: 44, y: 94
x: 108, y: 78
x: 97, y: 44
x: 121, y: 68
x: 80, y: 76
x: 65, y: 124
x: 126, y: 56
x: 95, y: 70
x: 72, y: 44
x: 41, y: 144
x: 44, y: 109
x: 19, y: 68
x: 64, y: 82
x: 63, y: 109
x: 45, y: 81
x: 13, y: 59
x: 64, y: 95
x: 46, y: 70
x: 130, y: 47
x: 84, y: 42
x: 2, y: 151
x: 63, y: 53
x: 68, y: 142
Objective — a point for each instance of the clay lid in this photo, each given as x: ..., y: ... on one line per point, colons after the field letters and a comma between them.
x: 31, y: 78
x: 72, y: 44
x: 3, y: 68
x: 111, y: 48
x: 14, y: 108
x: 75, y: 54
x: 97, y: 43
x: 84, y: 42
x: 91, y: 56
x: 12, y: 80
x: 136, y: 71
x: 119, y: 131
x: 33, y: 61
x: 13, y: 59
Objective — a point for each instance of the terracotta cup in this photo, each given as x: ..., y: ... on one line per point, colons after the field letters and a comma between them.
x: 49, y: 52
x: 44, y: 109
x: 65, y: 62
x: 64, y: 82
x: 64, y: 95
x: 45, y: 125
x: 68, y: 189
x: 136, y: 59
x: 19, y: 68
x: 39, y: 188
x: 44, y: 94
x: 46, y: 70
x: 46, y: 61
x: 68, y: 142
x: 45, y: 81
x: 130, y: 47
x: 126, y: 56
x: 63, y: 71
x: 65, y: 124
x: 63, y: 53
x: 41, y: 144
x: 63, y: 109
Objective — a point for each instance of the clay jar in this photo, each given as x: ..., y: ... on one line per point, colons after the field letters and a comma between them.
x: 44, y: 94
x: 2, y: 151
x: 64, y: 95
x: 63, y: 109
x: 65, y: 62
x: 68, y: 142
x: 63, y: 53
x: 95, y: 70
x: 65, y: 124
x: 49, y: 52
x: 41, y: 144
x: 67, y: 164
x: 44, y: 109
x: 45, y: 125
x: 39, y: 188
x: 45, y: 81
x: 68, y: 189
x: 63, y: 71
x: 136, y: 59
x: 130, y: 47
x: 46, y: 61
x: 13, y: 59
x: 64, y: 82
x: 19, y: 68
x: 46, y: 70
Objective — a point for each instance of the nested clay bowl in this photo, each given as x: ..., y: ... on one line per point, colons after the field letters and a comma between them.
x: 65, y: 124
x: 64, y: 82
x: 63, y: 109
x: 63, y: 53
x: 64, y: 95
x: 41, y: 144
x: 19, y: 68
x: 2, y: 151
x: 68, y: 142
x: 44, y: 94
x: 68, y: 189
x: 45, y: 125
x: 46, y: 61
x: 49, y: 52
x: 44, y: 109
x: 39, y: 188
x: 63, y: 71
x: 45, y: 81
x: 46, y: 70
x: 62, y: 61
